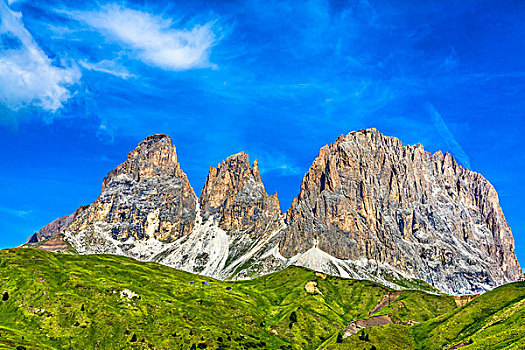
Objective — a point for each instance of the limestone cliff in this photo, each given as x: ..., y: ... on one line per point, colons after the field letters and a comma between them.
x: 235, y: 194
x: 148, y: 197
x: 237, y: 221
x: 368, y: 198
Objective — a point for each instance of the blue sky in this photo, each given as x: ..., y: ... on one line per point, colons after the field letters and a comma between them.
x: 82, y: 83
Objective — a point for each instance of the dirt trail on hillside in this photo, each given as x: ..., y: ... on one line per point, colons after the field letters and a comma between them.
x: 386, y: 300
x: 373, y: 321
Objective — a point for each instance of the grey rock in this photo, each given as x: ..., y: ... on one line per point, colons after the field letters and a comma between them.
x: 368, y: 197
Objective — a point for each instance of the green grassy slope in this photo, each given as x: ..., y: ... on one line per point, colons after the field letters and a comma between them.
x: 63, y: 301
x: 417, y: 306
x: 494, y: 320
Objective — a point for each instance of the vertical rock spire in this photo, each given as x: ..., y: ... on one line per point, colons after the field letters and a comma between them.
x: 235, y: 195
x: 146, y: 197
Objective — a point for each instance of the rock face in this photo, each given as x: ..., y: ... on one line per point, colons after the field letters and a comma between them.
x: 55, y: 243
x: 55, y: 227
x: 235, y: 194
x: 147, y: 199
x: 369, y: 208
x: 369, y: 198
x: 236, y: 222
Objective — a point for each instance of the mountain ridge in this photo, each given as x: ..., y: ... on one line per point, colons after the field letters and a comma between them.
x: 369, y: 207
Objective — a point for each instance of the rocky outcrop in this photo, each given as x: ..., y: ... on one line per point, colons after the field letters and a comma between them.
x: 461, y: 300
x: 56, y: 227
x: 370, y: 199
x: 147, y: 199
x: 236, y: 223
x: 235, y: 194
x: 55, y: 243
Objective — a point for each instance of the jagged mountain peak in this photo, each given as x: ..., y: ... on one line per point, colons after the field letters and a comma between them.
x: 154, y: 156
x: 368, y: 197
x: 147, y: 198
x: 241, y: 160
x: 372, y: 138
x: 241, y: 156
x: 152, y: 139
x: 234, y: 192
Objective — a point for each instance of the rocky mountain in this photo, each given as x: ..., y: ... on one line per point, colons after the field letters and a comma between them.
x: 368, y: 208
x: 146, y: 202
x: 234, y: 193
x: 236, y: 221
x: 369, y: 199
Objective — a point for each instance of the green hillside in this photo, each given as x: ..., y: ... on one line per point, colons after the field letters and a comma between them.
x: 62, y: 301
x: 494, y: 320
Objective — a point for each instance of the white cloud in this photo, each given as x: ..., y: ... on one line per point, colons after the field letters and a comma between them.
x: 27, y: 75
x: 153, y: 38
x: 108, y: 67
x: 104, y: 133
x: 15, y: 212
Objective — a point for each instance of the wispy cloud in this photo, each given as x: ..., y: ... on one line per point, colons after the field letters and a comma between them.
x: 153, y: 39
x: 15, y: 212
x: 27, y: 75
x: 270, y: 161
x: 108, y: 67
x: 452, y: 144
x: 104, y: 133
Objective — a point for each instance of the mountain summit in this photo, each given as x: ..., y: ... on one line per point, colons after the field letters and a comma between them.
x: 369, y: 207
x: 146, y: 202
x: 368, y: 198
